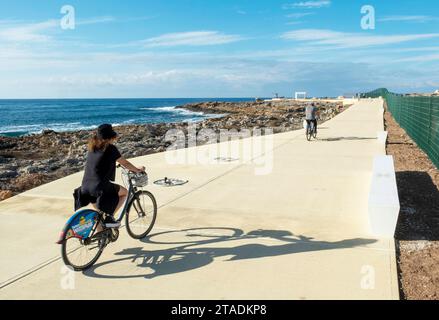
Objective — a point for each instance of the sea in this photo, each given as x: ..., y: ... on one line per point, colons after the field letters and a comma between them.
x: 24, y: 117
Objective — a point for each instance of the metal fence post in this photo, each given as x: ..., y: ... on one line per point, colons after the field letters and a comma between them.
x: 429, y: 121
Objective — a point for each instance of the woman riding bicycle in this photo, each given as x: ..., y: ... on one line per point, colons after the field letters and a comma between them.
x: 100, y: 171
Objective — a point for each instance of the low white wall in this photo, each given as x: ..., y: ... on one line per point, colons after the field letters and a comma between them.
x: 383, y: 205
x: 349, y: 101
x: 382, y: 137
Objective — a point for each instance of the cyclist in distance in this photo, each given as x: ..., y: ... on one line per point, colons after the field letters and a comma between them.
x: 311, y: 113
x: 100, y: 171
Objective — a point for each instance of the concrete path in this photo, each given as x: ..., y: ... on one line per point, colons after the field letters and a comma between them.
x: 287, y: 221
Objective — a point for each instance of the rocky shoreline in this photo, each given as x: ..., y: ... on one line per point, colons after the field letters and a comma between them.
x: 29, y: 161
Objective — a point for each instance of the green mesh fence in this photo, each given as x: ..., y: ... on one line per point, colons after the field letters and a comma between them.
x: 418, y: 115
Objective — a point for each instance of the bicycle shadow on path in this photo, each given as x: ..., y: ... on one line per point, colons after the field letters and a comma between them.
x: 346, y: 139
x: 189, y: 255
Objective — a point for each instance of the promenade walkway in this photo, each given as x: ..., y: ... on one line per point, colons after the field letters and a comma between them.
x: 289, y: 224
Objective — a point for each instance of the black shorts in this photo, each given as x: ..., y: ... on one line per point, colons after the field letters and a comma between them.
x: 108, y: 199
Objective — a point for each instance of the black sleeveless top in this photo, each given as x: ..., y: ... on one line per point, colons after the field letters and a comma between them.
x: 100, y: 170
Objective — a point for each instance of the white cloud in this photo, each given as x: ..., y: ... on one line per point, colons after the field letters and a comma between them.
x: 119, y: 79
x: 299, y: 15
x: 350, y: 40
x: 194, y: 38
x: 423, y: 58
x: 296, y: 17
x: 308, y: 5
x: 27, y: 32
x: 292, y: 23
x: 108, y: 19
x: 419, y: 19
x: 96, y: 20
x: 417, y: 49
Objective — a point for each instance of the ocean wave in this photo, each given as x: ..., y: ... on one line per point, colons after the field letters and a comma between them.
x: 19, y: 127
x: 174, y: 109
x: 169, y: 108
x: 38, y: 128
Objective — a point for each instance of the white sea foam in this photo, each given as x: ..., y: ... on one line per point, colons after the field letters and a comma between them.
x: 174, y: 110
x: 21, y: 128
x: 38, y: 128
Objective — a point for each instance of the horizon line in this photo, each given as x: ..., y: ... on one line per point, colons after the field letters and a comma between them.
x: 260, y: 97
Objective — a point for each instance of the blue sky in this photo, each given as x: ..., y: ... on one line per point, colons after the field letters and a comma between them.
x: 216, y: 48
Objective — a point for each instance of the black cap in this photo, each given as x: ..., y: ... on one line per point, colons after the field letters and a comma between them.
x: 106, y: 132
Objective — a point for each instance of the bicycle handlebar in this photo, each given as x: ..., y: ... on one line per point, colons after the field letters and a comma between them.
x: 119, y: 166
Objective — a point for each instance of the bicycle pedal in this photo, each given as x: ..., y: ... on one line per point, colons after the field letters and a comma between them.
x: 114, y: 235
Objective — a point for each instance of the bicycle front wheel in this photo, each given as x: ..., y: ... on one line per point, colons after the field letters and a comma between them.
x: 308, y: 133
x: 141, y: 214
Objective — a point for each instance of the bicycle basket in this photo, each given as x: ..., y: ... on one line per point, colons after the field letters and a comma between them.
x: 139, y: 180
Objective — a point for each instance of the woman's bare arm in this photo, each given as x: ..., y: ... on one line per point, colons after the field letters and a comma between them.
x: 128, y: 165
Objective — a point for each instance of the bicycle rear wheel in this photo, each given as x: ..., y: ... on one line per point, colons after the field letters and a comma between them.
x: 141, y: 214
x: 81, y: 254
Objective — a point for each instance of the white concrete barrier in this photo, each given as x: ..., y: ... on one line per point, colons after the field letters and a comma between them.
x: 349, y: 101
x: 382, y: 137
x: 383, y: 203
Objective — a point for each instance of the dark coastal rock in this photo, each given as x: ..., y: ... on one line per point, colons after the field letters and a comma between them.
x: 3, y: 160
x: 63, y: 141
x: 9, y: 167
x: 72, y: 161
x: 54, y: 167
x: 34, y: 169
x: 8, y: 174
x: 4, y: 145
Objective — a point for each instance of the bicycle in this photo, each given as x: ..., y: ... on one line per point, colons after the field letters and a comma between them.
x: 80, y: 239
x: 310, y: 131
